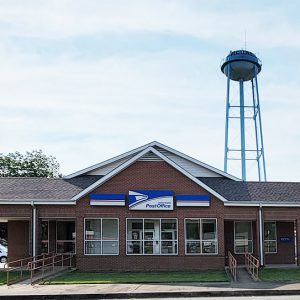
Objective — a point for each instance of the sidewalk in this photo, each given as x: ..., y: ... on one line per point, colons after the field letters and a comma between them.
x: 118, y: 291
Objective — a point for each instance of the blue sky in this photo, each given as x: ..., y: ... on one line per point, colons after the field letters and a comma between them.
x: 87, y: 80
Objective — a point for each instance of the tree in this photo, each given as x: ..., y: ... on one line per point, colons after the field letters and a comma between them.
x: 32, y: 164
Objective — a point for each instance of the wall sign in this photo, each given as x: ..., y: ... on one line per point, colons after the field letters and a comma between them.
x: 107, y: 199
x: 192, y: 200
x: 150, y: 200
x: 286, y: 239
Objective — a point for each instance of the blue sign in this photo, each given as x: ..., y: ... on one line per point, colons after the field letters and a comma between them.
x: 286, y: 239
x: 150, y: 200
x: 107, y: 199
x: 192, y: 200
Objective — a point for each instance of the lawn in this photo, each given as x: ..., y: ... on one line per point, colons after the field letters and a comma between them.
x: 2, y: 277
x: 282, y: 274
x: 77, y: 277
x: 13, y: 275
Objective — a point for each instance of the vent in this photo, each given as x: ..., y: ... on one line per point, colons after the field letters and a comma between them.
x: 150, y: 156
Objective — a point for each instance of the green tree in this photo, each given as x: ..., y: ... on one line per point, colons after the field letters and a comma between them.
x: 31, y: 164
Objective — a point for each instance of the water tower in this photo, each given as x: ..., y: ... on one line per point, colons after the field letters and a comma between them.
x: 241, y: 69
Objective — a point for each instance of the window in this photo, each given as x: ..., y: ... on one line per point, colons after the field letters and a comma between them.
x: 45, y: 237
x: 65, y: 236
x: 270, y: 237
x: 243, y: 241
x: 152, y: 236
x: 201, y: 236
x: 101, y: 236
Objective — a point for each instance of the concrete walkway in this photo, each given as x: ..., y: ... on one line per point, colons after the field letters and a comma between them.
x: 118, y: 291
x: 245, y: 286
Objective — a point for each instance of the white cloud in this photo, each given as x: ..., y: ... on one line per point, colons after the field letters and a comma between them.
x: 86, y: 110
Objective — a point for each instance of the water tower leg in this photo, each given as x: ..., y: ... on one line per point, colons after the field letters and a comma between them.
x: 226, y: 124
x: 242, y: 120
x: 260, y: 130
x: 255, y: 112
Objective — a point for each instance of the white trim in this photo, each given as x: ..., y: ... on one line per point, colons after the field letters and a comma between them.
x: 189, y: 175
x: 216, y: 240
x: 261, y: 235
x: 192, y: 204
x: 200, y: 163
x: 139, y: 149
x: 143, y: 238
x: 251, y: 227
x: 275, y: 240
x: 134, y: 159
x: 111, y: 174
x: 108, y: 161
x: 256, y: 204
x: 101, y: 240
x: 33, y: 230
x: 36, y: 202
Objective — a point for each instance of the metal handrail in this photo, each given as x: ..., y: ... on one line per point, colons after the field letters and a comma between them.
x: 49, y: 262
x: 20, y: 265
x: 252, y: 265
x: 232, y: 265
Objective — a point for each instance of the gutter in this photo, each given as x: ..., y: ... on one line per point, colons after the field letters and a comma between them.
x: 261, y: 230
x: 33, y: 229
x: 259, y: 204
x: 36, y: 202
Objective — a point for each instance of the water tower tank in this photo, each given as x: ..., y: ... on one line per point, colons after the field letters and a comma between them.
x: 243, y: 66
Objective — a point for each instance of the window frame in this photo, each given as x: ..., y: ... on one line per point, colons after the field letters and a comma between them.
x: 216, y: 240
x: 101, y: 240
x: 271, y: 240
x: 46, y: 241
x: 143, y: 240
x: 251, y: 227
x: 64, y: 241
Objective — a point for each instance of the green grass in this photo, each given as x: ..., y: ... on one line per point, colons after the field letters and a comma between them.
x: 280, y: 274
x: 14, y: 275
x: 2, y: 278
x: 77, y: 277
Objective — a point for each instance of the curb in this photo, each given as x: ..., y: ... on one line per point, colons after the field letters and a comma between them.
x: 155, y: 295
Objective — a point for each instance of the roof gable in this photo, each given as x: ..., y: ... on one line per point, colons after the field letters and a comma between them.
x: 193, y: 166
x: 153, y: 153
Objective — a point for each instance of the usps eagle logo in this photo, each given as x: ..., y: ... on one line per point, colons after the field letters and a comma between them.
x: 150, y: 200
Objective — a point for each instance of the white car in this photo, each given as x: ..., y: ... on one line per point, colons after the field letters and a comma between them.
x: 3, y: 254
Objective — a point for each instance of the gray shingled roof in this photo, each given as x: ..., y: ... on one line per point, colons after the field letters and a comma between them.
x: 254, y: 191
x: 24, y: 188
x: 38, y: 188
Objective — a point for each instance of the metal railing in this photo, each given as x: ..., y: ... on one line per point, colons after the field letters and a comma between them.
x: 252, y: 265
x: 232, y: 265
x: 49, y: 265
x: 17, y: 270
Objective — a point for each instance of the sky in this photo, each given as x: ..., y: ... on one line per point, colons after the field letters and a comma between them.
x: 87, y: 80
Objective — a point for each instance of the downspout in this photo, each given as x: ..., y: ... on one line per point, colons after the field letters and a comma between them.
x: 33, y: 229
x: 261, y: 243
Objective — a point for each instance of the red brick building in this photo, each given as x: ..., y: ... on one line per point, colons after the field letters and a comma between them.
x: 152, y: 208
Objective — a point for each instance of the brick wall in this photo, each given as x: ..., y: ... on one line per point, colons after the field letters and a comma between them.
x: 18, y: 240
x: 151, y: 176
x: 285, y: 250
